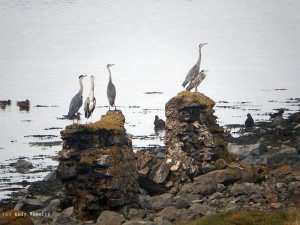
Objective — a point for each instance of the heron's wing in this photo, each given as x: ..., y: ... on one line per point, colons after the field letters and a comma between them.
x: 191, y: 74
x: 75, y: 105
x: 111, y: 93
x: 192, y: 84
x: 86, y: 104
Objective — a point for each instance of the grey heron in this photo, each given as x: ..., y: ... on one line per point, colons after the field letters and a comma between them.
x: 76, y: 101
x: 90, y: 102
x: 194, y: 71
x: 197, y: 80
x: 159, y: 123
x: 111, y: 89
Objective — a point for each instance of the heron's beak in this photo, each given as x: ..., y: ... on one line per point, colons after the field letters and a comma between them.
x: 205, y: 44
x: 206, y: 71
x: 112, y: 64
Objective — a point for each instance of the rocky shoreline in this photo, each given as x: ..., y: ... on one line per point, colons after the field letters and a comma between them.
x: 201, y: 171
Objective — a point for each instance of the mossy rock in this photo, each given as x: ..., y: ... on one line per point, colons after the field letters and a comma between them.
x: 15, y: 217
x: 112, y: 121
x: 188, y: 98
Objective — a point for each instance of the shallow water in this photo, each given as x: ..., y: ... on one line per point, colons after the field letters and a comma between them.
x: 45, y: 45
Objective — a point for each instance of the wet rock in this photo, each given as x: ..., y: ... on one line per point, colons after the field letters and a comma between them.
x: 22, y: 166
x: 110, y: 218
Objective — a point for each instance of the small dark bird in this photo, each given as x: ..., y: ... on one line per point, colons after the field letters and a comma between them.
x: 159, y: 123
x: 249, y: 121
x: 279, y: 113
x: 4, y: 103
x: 24, y: 105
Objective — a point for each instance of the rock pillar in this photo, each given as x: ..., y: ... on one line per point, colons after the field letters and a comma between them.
x: 97, y: 166
x: 193, y: 138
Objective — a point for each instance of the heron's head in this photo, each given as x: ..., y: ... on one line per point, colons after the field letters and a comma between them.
x: 202, y: 44
x: 82, y: 76
x: 156, y: 117
x: 92, y: 77
x: 204, y: 71
x: 248, y: 115
x: 110, y: 65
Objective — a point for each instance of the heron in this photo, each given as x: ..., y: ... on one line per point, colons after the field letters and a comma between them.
x: 197, y: 80
x: 111, y: 89
x: 90, y: 102
x: 76, y: 101
x: 194, y: 71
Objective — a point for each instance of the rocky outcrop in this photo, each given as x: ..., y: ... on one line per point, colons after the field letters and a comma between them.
x: 97, y: 166
x: 193, y: 138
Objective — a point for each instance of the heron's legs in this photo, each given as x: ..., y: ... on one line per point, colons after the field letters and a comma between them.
x: 196, y: 89
x: 109, y: 107
x: 115, y: 108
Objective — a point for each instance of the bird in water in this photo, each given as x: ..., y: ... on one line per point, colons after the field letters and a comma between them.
x: 4, y: 103
x: 197, y: 80
x: 194, y: 71
x: 90, y: 102
x: 24, y: 105
x: 278, y: 114
x: 159, y: 123
x: 76, y: 101
x: 111, y: 89
x: 249, y: 121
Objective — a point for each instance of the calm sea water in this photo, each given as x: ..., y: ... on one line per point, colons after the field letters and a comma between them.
x: 45, y: 45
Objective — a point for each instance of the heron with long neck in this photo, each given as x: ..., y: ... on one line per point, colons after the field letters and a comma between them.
x: 197, y: 80
x: 111, y: 89
x: 76, y: 101
x: 194, y: 71
x: 90, y: 102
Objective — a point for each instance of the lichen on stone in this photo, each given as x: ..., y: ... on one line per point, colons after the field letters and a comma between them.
x: 196, y: 98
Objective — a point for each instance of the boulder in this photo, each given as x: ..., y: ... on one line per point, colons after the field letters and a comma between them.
x: 22, y: 166
x: 110, y: 218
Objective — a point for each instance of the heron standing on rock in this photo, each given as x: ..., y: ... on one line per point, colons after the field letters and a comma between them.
x: 194, y: 71
x: 197, y: 81
x: 90, y: 102
x: 111, y: 89
x: 76, y: 101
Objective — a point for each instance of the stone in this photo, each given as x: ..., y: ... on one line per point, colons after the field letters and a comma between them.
x: 201, y: 187
x: 110, y: 218
x: 22, y: 166
x: 197, y: 210
x: 244, y: 189
x: 161, y: 173
x: 138, y: 222
x: 170, y: 213
x: 137, y: 213
x: 161, y: 221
